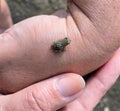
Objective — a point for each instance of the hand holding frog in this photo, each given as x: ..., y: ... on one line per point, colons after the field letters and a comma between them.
x: 45, y: 95
x: 26, y: 56
x: 56, y: 93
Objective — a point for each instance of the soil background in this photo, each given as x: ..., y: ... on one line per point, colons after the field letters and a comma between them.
x: 22, y: 9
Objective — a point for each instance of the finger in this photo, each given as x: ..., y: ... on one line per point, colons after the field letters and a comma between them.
x: 100, y: 83
x: 5, y: 16
x: 48, y: 95
x: 97, y: 86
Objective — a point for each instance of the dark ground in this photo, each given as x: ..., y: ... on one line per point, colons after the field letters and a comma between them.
x: 22, y: 9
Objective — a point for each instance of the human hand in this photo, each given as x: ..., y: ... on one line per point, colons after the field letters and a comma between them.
x: 96, y: 86
x: 26, y: 56
x: 5, y: 17
x: 45, y: 96
x: 48, y: 95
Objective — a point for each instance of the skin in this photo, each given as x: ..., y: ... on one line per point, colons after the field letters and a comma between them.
x: 92, y: 26
x: 96, y: 87
x: 44, y: 97
x: 5, y: 17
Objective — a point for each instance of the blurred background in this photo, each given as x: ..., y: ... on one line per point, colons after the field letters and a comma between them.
x: 22, y: 9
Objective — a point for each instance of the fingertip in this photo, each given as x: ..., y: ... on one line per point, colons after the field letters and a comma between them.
x: 70, y: 85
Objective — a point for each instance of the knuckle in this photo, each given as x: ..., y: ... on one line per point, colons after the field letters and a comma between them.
x: 40, y: 100
x: 32, y: 102
x: 102, y: 87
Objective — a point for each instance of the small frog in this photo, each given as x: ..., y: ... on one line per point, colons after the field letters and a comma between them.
x: 59, y: 46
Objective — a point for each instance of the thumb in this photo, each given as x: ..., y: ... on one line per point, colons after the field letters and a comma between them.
x: 48, y: 95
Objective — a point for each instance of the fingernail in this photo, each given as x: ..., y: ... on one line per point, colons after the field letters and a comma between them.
x: 70, y: 85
